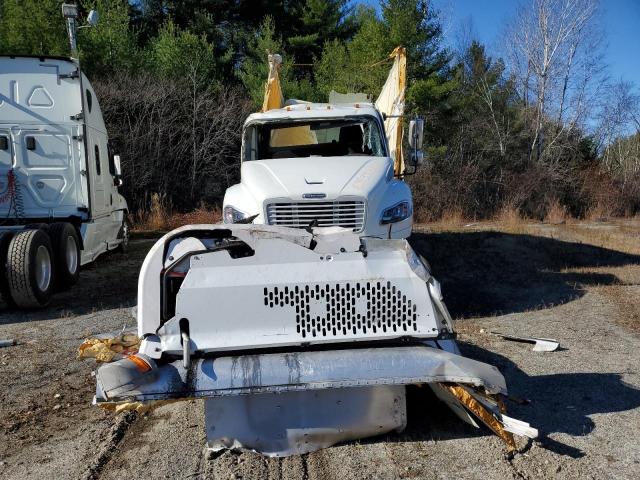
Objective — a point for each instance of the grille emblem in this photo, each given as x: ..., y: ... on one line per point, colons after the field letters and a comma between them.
x: 314, y: 195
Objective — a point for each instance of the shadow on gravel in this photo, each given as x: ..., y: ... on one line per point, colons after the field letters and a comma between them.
x: 488, y: 273
x: 560, y: 403
x: 109, y: 282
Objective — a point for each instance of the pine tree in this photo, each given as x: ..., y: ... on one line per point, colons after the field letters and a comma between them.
x: 110, y: 45
x: 317, y: 22
x: 32, y: 27
x: 182, y: 55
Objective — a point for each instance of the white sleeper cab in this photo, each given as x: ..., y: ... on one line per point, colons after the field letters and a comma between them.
x: 59, y: 202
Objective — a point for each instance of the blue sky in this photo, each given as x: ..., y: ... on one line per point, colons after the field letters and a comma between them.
x: 620, y: 20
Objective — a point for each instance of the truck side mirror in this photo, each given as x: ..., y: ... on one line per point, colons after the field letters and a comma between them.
x: 416, y: 136
x: 118, y: 168
x: 417, y: 158
x: 416, y: 133
x: 92, y: 18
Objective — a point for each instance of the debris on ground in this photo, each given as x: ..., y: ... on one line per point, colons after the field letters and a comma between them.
x: 107, y: 349
x: 539, y: 344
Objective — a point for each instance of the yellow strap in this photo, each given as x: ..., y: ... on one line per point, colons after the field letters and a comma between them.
x: 272, y: 90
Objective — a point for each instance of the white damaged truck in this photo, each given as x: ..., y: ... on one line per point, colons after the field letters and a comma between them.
x: 59, y: 202
x: 336, y: 164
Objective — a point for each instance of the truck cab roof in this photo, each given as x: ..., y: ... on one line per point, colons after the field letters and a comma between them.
x: 42, y: 58
x: 305, y: 110
x: 46, y: 90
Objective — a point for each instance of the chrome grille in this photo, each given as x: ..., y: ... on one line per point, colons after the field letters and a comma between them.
x: 347, y: 214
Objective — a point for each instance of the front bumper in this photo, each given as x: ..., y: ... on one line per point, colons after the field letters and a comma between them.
x: 123, y: 381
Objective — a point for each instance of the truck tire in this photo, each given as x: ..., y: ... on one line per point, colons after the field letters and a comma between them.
x: 5, y: 294
x: 66, y: 254
x: 30, y: 269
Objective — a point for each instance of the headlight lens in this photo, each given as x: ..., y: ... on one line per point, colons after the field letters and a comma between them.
x: 397, y: 213
x: 418, y: 266
x: 232, y: 215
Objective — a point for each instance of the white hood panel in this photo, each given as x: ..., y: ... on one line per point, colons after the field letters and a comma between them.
x: 333, y: 176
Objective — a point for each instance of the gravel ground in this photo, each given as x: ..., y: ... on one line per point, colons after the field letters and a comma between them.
x: 548, y: 282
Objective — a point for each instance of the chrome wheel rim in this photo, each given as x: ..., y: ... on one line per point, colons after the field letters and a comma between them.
x: 71, y: 255
x: 43, y: 268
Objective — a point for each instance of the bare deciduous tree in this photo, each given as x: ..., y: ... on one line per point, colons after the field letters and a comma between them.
x: 555, y: 48
x: 176, y: 140
x: 619, y: 119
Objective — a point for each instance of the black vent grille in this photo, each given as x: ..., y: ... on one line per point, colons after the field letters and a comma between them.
x: 334, y: 310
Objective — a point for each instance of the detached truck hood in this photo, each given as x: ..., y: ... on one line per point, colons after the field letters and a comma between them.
x: 260, y: 309
x: 269, y: 322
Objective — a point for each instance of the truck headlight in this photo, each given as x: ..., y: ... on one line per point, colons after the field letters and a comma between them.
x: 232, y: 215
x: 397, y: 213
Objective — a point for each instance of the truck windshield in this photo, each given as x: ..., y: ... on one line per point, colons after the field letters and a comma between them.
x: 317, y: 138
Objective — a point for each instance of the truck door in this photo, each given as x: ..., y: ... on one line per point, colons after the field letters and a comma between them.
x: 44, y: 168
x: 98, y: 173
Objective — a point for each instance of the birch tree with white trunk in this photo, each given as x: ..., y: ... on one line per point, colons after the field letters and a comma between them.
x: 555, y: 48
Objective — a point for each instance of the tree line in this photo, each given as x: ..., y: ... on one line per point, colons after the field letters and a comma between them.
x: 532, y: 127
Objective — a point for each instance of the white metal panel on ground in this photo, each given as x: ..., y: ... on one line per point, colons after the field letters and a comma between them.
x: 294, y: 423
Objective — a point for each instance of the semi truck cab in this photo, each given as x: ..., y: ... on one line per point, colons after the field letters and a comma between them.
x: 59, y: 201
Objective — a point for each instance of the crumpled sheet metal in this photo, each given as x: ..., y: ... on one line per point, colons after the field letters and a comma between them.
x: 293, y: 423
x: 108, y: 348
x: 295, y: 371
x: 539, y: 344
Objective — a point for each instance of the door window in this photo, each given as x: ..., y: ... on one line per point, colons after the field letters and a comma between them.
x: 5, y: 152
x: 97, y: 155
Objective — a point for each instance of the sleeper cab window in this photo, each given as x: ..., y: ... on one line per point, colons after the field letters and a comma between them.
x: 97, y: 155
x: 4, y: 143
x: 89, y: 100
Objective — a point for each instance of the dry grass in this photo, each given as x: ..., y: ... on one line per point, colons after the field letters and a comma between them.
x: 509, y: 218
x: 601, y: 212
x: 201, y: 215
x: 452, y: 219
x: 556, y: 213
x: 160, y: 218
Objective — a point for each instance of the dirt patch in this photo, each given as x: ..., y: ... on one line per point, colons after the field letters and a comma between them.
x: 47, y: 423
